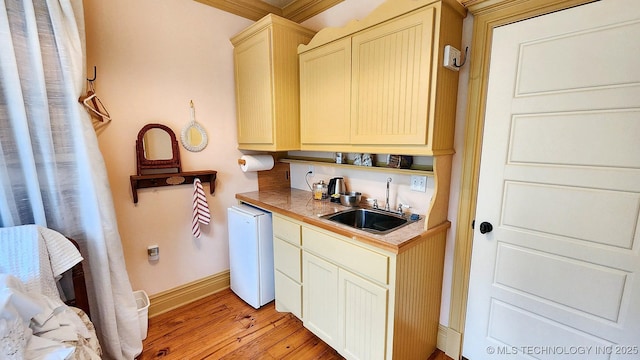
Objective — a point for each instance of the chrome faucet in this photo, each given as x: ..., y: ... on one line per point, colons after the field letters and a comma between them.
x: 386, y: 206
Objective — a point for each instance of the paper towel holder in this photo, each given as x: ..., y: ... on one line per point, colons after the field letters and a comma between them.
x: 241, y: 162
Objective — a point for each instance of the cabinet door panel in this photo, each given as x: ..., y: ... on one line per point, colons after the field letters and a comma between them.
x: 287, y: 259
x: 253, y: 89
x: 362, y: 261
x: 320, y: 298
x: 391, y: 81
x: 363, y: 313
x: 325, y: 94
x: 286, y: 230
x: 288, y: 294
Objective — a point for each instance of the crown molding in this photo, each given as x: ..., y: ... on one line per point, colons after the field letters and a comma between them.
x: 298, y: 10
x: 301, y: 10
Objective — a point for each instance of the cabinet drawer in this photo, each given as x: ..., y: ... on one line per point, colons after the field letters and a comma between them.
x: 287, y: 259
x: 363, y: 261
x: 286, y: 230
x: 288, y: 295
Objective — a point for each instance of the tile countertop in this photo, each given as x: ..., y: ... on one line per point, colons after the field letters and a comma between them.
x: 299, y: 205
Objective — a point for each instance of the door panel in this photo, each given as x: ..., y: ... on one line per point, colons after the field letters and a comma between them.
x: 288, y: 294
x: 325, y: 94
x: 600, y: 216
x: 254, y: 89
x: 560, y: 182
x: 363, y: 310
x: 574, y: 68
x: 547, y: 334
x: 389, y: 104
x: 521, y: 269
x: 320, y: 298
x: 531, y: 133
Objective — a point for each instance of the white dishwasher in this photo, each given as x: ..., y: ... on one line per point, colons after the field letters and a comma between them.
x: 251, y: 254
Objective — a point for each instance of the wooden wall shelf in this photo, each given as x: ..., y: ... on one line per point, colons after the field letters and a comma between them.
x: 422, y: 170
x: 171, y: 179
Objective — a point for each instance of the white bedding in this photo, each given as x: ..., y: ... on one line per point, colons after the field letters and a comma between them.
x: 38, y: 327
x: 34, y: 321
x: 18, y: 244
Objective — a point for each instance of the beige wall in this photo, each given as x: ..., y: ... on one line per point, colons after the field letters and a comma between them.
x: 153, y: 56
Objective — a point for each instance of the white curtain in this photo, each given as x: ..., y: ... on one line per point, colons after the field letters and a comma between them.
x: 51, y: 170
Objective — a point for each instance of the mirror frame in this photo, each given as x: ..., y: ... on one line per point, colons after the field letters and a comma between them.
x: 144, y: 164
x: 184, y: 137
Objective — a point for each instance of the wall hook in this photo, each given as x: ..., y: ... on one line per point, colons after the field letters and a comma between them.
x: 95, y: 74
x: 466, y: 49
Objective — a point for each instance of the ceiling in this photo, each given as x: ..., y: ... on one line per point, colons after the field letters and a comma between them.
x: 279, y: 3
x: 295, y: 10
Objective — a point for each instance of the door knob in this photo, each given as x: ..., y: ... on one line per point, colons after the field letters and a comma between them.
x: 485, y: 227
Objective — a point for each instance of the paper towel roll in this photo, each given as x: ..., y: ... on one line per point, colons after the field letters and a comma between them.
x: 256, y: 162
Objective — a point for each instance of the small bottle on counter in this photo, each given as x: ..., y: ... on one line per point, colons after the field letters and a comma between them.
x: 320, y: 190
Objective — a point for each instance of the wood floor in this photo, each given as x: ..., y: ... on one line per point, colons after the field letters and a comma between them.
x: 222, y: 326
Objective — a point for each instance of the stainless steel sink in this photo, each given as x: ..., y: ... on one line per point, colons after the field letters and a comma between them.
x: 371, y: 220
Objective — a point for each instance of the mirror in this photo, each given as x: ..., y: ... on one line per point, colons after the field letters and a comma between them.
x: 194, y: 138
x: 157, y: 150
x: 156, y: 143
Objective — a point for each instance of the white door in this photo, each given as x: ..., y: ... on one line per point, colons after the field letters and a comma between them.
x: 559, y: 275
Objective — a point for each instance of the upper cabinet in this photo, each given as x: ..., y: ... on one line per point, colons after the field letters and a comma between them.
x: 378, y: 85
x: 390, y: 81
x: 326, y: 85
x: 267, y: 84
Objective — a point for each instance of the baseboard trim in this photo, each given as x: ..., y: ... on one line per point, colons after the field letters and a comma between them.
x: 187, y: 293
x: 442, y: 337
x: 454, y: 344
x: 449, y: 341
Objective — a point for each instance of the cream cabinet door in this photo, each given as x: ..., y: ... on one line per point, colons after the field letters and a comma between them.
x: 288, y: 274
x: 325, y: 94
x: 288, y: 294
x: 267, y: 84
x: 287, y: 260
x: 391, y: 81
x: 320, y: 298
x: 254, y: 89
x: 362, y: 312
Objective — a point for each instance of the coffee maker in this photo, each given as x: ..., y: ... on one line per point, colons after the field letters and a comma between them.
x: 336, y: 187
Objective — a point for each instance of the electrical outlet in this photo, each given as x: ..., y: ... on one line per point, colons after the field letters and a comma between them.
x: 153, y: 252
x: 310, y: 170
x: 418, y: 183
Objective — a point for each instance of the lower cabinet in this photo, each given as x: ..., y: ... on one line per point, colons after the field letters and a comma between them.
x: 287, y: 278
x: 364, y: 301
x: 287, y: 260
x: 362, y: 315
x: 320, y: 298
x: 345, y: 310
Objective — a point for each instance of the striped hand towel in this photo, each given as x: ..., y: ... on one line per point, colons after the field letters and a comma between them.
x: 201, y: 212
